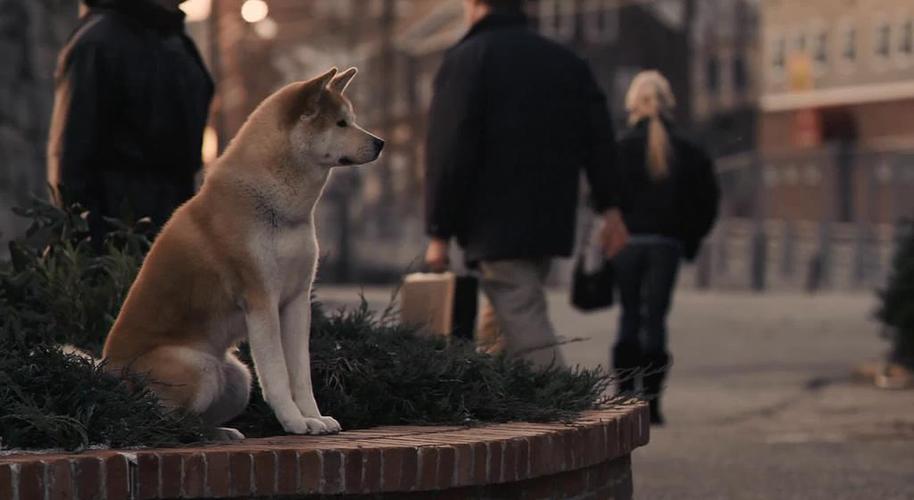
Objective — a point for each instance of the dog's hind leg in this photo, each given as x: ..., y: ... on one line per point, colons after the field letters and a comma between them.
x: 185, y: 378
x: 234, y: 394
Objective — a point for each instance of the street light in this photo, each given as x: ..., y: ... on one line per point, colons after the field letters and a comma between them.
x: 254, y: 11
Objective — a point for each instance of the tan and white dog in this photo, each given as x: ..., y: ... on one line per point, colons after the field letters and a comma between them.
x: 237, y: 262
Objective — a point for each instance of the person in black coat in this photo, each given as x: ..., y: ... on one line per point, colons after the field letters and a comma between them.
x: 514, y: 120
x: 130, y: 110
x: 669, y: 199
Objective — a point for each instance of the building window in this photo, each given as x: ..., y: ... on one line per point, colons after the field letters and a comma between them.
x: 601, y: 21
x: 779, y: 54
x: 799, y: 43
x: 906, y: 40
x: 712, y: 76
x: 884, y: 40
x: 740, y: 78
x: 557, y: 19
x: 849, y: 49
x: 820, y: 51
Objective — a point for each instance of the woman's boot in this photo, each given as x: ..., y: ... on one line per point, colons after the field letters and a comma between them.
x: 656, y: 368
x: 627, y: 363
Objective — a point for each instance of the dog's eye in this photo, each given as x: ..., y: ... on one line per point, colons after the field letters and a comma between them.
x: 342, y: 123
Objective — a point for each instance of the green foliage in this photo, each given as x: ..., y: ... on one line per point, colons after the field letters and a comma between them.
x: 52, y: 399
x: 57, y: 288
x: 896, y: 310
x: 368, y: 370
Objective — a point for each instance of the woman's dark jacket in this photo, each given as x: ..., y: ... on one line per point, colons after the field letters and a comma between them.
x: 130, y: 109
x: 682, y: 206
x: 514, y: 121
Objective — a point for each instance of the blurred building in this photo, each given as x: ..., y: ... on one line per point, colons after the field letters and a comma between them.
x: 815, y: 205
x: 31, y: 33
x: 725, y: 55
x: 838, y: 73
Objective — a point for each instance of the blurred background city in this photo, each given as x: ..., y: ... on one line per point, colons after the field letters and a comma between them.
x: 808, y: 107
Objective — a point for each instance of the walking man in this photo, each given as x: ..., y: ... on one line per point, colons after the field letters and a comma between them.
x: 514, y: 120
x: 130, y: 109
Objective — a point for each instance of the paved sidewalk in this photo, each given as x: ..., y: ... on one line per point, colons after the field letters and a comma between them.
x: 760, y: 402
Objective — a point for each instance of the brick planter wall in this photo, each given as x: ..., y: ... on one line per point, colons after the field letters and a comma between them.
x: 586, y: 459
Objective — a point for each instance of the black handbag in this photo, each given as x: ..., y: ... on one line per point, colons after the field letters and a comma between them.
x: 466, y: 291
x: 593, y: 281
x: 591, y: 291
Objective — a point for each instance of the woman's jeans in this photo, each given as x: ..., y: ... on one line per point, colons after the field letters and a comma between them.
x: 645, y: 275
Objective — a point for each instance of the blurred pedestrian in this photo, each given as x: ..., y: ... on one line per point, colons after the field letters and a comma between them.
x: 130, y: 110
x: 669, y: 198
x: 514, y: 120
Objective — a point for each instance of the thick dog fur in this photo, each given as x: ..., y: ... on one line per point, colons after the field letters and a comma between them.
x: 237, y: 262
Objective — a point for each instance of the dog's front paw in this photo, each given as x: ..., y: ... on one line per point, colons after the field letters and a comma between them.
x: 312, y: 425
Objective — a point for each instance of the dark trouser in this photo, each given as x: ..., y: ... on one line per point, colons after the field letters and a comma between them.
x: 646, y: 274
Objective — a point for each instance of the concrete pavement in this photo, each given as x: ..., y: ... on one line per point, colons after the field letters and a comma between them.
x: 760, y: 403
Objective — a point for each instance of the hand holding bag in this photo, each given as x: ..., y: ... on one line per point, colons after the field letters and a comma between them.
x: 593, y: 282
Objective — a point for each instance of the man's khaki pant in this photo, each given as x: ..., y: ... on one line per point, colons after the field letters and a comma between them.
x: 515, y: 292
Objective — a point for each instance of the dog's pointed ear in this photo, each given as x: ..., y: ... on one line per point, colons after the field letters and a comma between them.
x: 308, y: 96
x: 341, y: 81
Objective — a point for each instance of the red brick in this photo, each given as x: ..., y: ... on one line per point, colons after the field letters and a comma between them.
x: 613, y: 448
x: 509, y: 462
x: 147, y: 475
x: 193, y: 481
x: 331, y: 471
x: 6, y: 481
x: 218, y: 479
x: 240, y: 466
x: 117, y: 477
x: 480, y: 463
x: 309, y: 470
x: 31, y: 480
x: 495, y: 456
x: 542, y: 458
x: 88, y: 471
x: 408, y: 473
x: 264, y: 472
x: 60, y: 481
x: 573, y: 483
x: 352, y: 471
x: 523, y: 458
x: 428, y: 468
x: 287, y: 472
x: 371, y: 478
x: 447, y: 470
x: 566, y: 448
x: 599, y: 477
x: 644, y: 426
x: 170, y: 475
x: 541, y: 488
x: 464, y: 456
x: 625, y: 434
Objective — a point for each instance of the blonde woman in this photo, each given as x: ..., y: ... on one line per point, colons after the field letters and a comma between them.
x: 669, y: 198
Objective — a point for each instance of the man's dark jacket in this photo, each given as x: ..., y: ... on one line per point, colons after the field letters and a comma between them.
x: 682, y: 206
x: 514, y: 120
x: 130, y: 109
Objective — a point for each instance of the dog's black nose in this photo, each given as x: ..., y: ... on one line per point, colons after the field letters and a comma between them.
x: 378, y: 144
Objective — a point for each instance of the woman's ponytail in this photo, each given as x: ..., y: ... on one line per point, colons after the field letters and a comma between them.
x: 651, y: 97
x: 658, y: 149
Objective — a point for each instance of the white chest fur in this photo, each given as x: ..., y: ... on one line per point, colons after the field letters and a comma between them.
x: 288, y: 259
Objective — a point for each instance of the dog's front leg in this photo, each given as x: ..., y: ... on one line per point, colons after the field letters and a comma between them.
x: 262, y: 318
x: 296, y: 336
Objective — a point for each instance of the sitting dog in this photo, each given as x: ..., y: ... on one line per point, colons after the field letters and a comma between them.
x: 237, y: 261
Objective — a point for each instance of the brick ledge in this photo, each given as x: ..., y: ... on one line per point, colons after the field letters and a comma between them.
x: 370, y: 461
